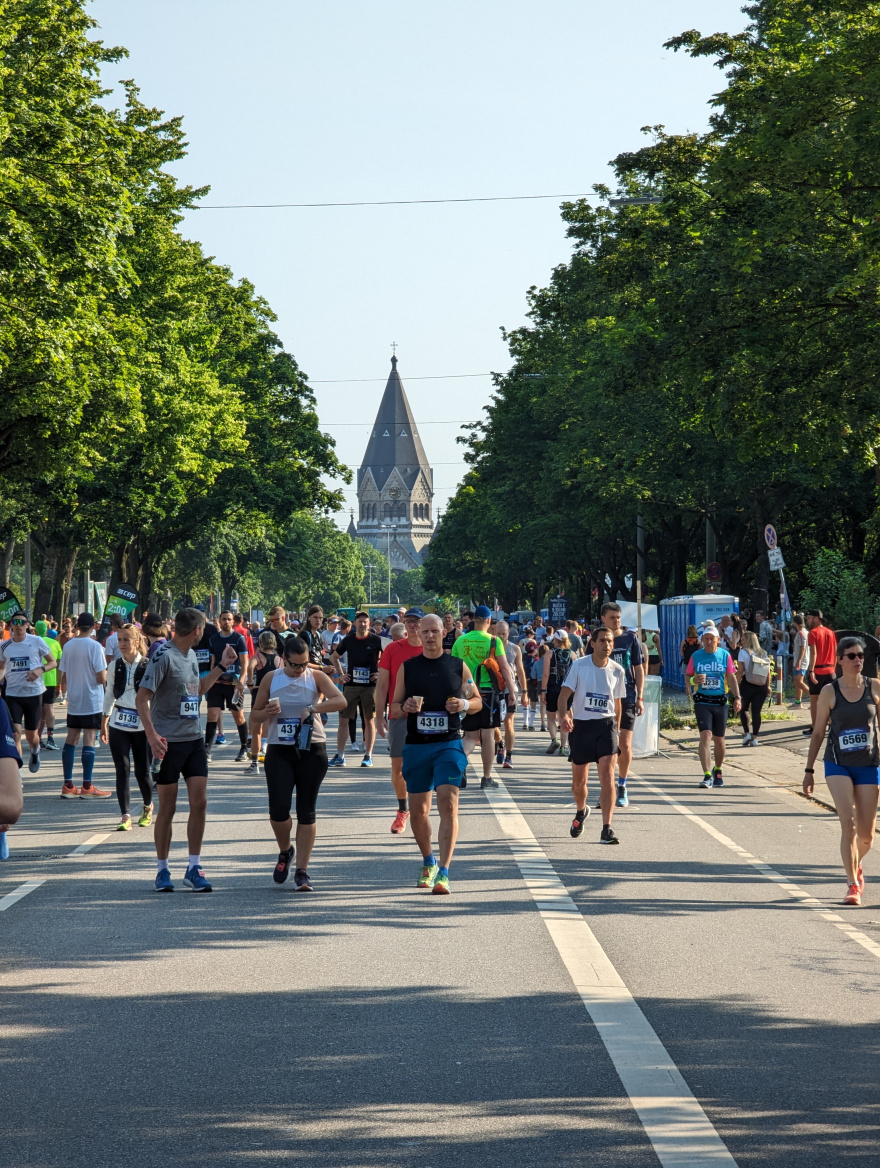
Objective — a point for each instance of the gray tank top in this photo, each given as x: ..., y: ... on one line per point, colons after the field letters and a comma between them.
x: 294, y: 693
x: 852, y: 733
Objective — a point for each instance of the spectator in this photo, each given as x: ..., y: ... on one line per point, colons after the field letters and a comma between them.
x: 800, y: 661
x: 764, y: 629
x: 689, y: 646
x: 753, y: 675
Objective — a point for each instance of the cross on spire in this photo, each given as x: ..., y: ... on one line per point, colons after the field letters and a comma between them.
x: 394, y: 348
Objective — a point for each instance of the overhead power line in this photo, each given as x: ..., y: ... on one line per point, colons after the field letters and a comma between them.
x: 380, y: 202
x: 426, y: 377
x: 448, y: 422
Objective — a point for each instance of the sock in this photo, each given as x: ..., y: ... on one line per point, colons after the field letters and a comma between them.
x: 210, y: 734
x: 508, y: 754
x: 242, y: 734
x: 194, y: 862
x: 68, y: 754
x: 162, y: 865
x: 88, y: 764
x: 580, y: 814
x: 621, y: 780
x: 401, y: 804
x: 429, y: 860
x: 35, y: 749
x: 443, y: 872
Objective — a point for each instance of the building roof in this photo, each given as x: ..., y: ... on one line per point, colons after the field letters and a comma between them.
x: 394, y: 441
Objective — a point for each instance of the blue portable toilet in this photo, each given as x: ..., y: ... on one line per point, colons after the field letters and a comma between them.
x: 676, y: 613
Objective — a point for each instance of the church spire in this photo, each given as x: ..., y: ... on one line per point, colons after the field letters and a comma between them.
x: 394, y: 441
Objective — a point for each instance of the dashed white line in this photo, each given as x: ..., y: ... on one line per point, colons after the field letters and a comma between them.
x: 89, y: 844
x: 13, y: 897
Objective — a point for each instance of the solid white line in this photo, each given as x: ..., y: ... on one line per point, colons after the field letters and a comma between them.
x: 23, y: 889
x: 675, y: 1123
x: 89, y: 844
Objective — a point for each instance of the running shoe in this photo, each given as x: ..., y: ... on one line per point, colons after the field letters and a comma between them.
x: 242, y: 755
x: 220, y: 739
x: 754, y: 741
x: 195, y: 879
x: 428, y: 876
x: 622, y: 797
x: 853, y: 895
x: 70, y: 792
x: 563, y: 751
x: 747, y: 738
x: 355, y: 747
x: 337, y: 761
x: 253, y: 769
x: 367, y: 761
x: 861, y: 879
x: 717, y: 780
x: 552, y: 748
x: 706, y: 780
x: 399, y: 822
x: 598, y: 804
x: 608, y: 836
x: 147, y: 818
x: 125, y: 824
x: 507, y: 764
x: 577, y: 825
x: 4, y: 846
x: 487, y: 783
x: 50, y: 743
x: 282, y: 868
x: 163, y: 881
x: 543, y: 729
x: 441, y: 886
x: 806, y: 733
x: 93, y: 792
x: 261, y: 757
x: 34, y: 762
x: 301, y: 880
x: 499, y: 754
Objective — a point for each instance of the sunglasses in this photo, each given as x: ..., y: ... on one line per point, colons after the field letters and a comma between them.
x: 855, y: 656
x: 296, y: 664
x: 18, y: 621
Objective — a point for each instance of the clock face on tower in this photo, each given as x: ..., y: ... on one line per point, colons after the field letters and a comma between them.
x: 394, y: 493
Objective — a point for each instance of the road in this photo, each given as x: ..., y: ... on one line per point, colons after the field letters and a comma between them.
x: 695, y: 996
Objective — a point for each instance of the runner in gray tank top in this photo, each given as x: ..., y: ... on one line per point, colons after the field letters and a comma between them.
x: 848, y: 710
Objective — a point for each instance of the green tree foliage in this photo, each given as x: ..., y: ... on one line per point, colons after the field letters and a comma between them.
x: 838, y: 587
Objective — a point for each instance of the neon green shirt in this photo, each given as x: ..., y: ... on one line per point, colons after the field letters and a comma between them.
x: 475, y: 647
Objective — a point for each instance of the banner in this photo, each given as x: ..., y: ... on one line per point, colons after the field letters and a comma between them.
x: 8, y: 604
x: 558, y: 608
x: 100, y: 591
x: 124, y: 601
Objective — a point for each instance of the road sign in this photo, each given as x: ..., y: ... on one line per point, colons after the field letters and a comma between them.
x: 770, y: 536
x: 777, y: 563
x: 714, y: 572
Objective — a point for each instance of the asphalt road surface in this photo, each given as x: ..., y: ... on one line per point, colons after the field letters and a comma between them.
x: 696, y: 996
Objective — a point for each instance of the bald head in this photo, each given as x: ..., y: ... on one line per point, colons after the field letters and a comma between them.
x: 431, y: 632
x: 503, y: 630
x: 431, y: 621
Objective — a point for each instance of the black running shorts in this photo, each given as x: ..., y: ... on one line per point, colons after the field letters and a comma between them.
x: 591, y: 739
x: 188, y: 758
x: 711, y: 716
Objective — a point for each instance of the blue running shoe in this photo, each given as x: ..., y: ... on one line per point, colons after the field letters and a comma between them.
x: 195, y: 879
x: 367, y: 760
x: 220, y: 739
x: 163, y: 881
x: 622, y: 797
x: 4, y: 846
x: 336, y: 761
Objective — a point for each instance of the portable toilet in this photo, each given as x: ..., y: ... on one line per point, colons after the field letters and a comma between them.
x: 676, y: 613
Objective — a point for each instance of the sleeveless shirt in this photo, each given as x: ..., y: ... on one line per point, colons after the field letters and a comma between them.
x: 294, y: 693
x: 852, y: 731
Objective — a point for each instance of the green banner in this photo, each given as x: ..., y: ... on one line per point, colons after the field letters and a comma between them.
x: 124, y: 601
x: 100, y: 591
x: 8, y: 603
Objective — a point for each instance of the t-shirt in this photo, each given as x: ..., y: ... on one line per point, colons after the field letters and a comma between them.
x: 628, y: 652
x: 7, y: 739
x: 765, y: 636
x: 217, y: 644
x: 362, y: 654
x: 112, y: 650
x: 824, y: 646
x: 801, y: 642
x: 716, y: 666
x: 392, y: 659
x: 595, y: 689
x: 51, y: 678
x: 81, y: 659
x: 21, y: 657
x: 172, y: 676
x: 330, y: 640
x: 577, y: 644
x: 475, y: 647
x: 203, y: 651
x: 248, y: 639
x: 450, y: 638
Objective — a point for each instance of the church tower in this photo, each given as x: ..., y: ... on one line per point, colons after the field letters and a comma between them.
x: 395, y: 484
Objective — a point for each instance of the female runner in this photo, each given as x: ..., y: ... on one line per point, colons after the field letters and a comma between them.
x: 264, y: 660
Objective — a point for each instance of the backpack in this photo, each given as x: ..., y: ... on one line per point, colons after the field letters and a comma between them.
x: 492, y: 668
x: 119, y: 676
x: 758, y: 670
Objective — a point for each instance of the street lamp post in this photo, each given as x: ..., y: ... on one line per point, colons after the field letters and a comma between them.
x: 389, y: 527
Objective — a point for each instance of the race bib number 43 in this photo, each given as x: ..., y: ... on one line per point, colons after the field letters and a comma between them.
x: 854, y: 740
x: 435, y: 722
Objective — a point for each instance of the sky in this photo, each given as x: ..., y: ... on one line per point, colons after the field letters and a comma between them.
x: 287, y: 101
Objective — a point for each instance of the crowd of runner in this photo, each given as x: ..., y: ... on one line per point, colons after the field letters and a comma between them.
x: 439, y: 689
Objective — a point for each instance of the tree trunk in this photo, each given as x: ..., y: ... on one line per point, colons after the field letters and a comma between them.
x: 60, y: 601
x: 7, y: 551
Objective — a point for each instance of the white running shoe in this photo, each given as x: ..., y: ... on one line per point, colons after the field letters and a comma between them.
x: 355, y: 748
x: 747, y: 738
x: 754, y: 741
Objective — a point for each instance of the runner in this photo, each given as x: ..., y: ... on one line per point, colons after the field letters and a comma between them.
x: 25, y: 661
x: 823, y: 652
x: 557, y: 662
x: 574, y: 639
x: 515, y: 662
x: 485, y: 658
x: 395, y: 727
x: 431, y: 694
x: 534, y: 671
x: 710, y: 673
x: 168, y: 706
x: 450, y: 632
x: 852, y: 758
x: 800, y: 661
x: 263, y: 662
x: 278, y: 625
x: 296, y: 753
x: 47, y: 712
x: 228, y: 692
x: 591, y: 701
x: 121, y: 727
x: 311, y: 634
x: 628, y: 652
x: 362, y: 650
x: 84, y: 666
x: 11, y: 800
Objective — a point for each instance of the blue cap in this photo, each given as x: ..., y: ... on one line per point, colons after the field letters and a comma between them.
x: 419, y: 612
x: 482, y: 612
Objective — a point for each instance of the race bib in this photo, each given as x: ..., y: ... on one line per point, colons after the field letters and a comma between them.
x: 854, y: 740
x: 189, y: 707
x: 713, y: 683
x: 360, y: 675
x: 596, y: 703
x: 125, y: 719
x: 203, y: 656
x: 19, y: 664
x: 288, y: 730
x: 430, y: 722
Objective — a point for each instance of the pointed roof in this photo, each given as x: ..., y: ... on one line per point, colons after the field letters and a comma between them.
x: 394, y: 441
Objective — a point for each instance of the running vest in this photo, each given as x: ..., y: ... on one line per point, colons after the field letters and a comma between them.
x: 294, y: 693
x: 435, y: 679
x: 852, y: 732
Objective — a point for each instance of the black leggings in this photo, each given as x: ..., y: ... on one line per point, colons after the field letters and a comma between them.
x: 753, y: 698
x: 121, y: 741
x: 285, y: 772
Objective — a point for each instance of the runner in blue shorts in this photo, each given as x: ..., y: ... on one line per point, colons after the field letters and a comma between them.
x: 431, y: 691
x: 847, y: 708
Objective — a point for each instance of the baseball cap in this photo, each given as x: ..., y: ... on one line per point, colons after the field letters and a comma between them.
x: 709, y: 627
x: 419, y: 612
x: 530, y: 645
x: 482, y: 612
x: 559, y: 635
x: 85, y: 620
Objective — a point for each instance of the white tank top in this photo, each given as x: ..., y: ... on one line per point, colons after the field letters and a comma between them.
x: 294, y: 693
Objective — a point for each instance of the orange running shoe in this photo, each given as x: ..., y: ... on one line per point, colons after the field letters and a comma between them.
x: 853, y: 895
x: 93, y: 792
x: 70, y: 792
x: 399, y: 822
x: 861, y: 879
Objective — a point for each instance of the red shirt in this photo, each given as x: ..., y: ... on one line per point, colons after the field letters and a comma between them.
x: 824, y: 645
x: 392, y: 659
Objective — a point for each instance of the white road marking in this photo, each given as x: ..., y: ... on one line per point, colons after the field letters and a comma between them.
x: 798, y: 894
x: 89, y: 844
x: 675, y: 1123
x: 17, y: 893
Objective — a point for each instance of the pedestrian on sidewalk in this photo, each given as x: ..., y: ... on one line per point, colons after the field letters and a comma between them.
x: 753, y: 675
x: 823, y: 651
x: 852, y: 758
x: 800, y: 658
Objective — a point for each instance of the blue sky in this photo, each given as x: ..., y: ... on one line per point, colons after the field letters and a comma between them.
x: 288, y: 102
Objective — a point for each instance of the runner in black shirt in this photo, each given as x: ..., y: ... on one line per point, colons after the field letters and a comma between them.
x: 362, y: 650
x: 228, y: 692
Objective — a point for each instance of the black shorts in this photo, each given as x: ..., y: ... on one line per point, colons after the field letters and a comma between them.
x: 49, y: 695
x: 188, y: 758
x: 591, y: 739
x: 290, y: 769
x: 488, y: 717
x: 822, y: 679
x: 532, y: 689
x: 24, y: 711
x: 84, y: 721
x: 711, y: 716
x: 627, y: 715
x: 220, y: 697
x: 552, y: 699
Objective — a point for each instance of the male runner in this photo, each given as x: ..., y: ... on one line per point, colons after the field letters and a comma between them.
x: 278, y: 625
x: 515, y: 661
x: 84, y: 666
x: 474, y: 649
x: 362, y: 651
x: 595, y: 687
x: 430, y: 693
x: 47, y: 713
x: 228, y: 691
x: 168, y: 705
x: 630, y: 653
x: 395, y: 727
x: 822, y: 644
x: 709, y: 673
x: 25, y: 659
